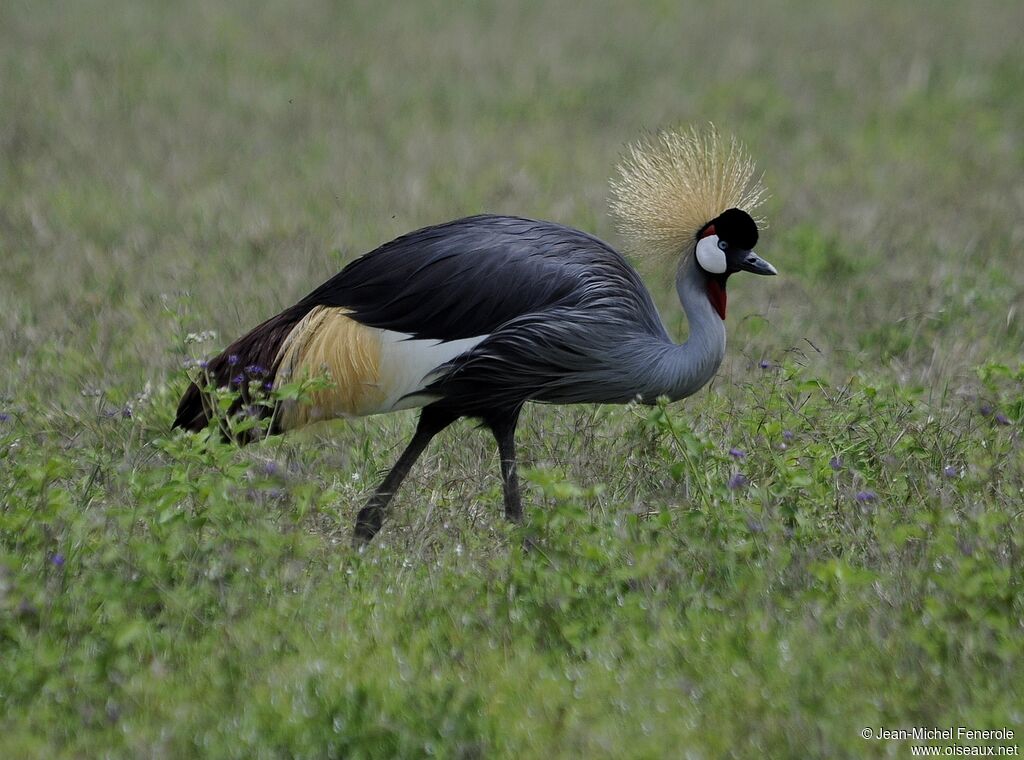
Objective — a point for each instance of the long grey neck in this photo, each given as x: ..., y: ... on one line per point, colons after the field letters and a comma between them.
x: 684, y: 369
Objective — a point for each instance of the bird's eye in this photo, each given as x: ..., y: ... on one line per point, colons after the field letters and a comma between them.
x: 722, y: 244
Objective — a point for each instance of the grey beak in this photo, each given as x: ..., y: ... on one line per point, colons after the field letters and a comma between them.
x: 754, y: 263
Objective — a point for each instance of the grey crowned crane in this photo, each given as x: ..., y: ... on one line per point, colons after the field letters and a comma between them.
x: 475, y: 317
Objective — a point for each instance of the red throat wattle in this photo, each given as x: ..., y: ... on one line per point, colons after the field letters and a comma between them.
x: 716, y: 294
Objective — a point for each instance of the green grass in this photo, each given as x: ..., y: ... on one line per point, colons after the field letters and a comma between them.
x: 175, y: 168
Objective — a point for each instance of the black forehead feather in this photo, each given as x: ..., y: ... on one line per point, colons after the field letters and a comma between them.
x: 736, y: 228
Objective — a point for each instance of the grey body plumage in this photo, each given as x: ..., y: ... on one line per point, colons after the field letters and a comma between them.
x: 603, y: 342
x: 593, y: 339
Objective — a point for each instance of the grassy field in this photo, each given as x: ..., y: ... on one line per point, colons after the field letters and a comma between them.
x: 168, y: 169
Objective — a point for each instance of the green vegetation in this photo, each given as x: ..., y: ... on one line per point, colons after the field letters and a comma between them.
x: 827, y: 539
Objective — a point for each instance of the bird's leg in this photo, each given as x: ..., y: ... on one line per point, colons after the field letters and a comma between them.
x: 371, y: 516
x: 504, y: 429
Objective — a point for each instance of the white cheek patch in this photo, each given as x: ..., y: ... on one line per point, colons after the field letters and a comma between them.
x: 710, y: 256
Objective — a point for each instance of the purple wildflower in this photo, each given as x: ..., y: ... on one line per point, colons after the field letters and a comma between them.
x: 949, y: 471
x: 202, y: 364
x: 1002, y: 419
x: 787, y: 435
x: 238, y: 379
x: 738, y: 480
x: 268, y: 386
x: 835, y: 463
x: 4, y: 417
x: 269, y: 468
x: 254, y: 369
x: 986, y: 410
x: 233, y: 359
x: 754, y: 526
x: 57, y: 560
x: 737, y: 453
x: 866, y: 497
x: 765, y: 364
x: 126, y: 413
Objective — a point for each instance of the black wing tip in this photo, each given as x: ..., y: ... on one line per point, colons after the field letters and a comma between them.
x: 194, y: 416
x: 192, y: 413
x: 259, y: 347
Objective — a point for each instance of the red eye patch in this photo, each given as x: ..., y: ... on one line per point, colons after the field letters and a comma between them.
x: 708, y: 231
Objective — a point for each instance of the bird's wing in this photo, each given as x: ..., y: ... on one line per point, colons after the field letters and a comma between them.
x: 596, y: 352
x: 466, y: 278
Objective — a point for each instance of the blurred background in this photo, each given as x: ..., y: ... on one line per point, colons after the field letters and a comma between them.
x: 197, y: 165
x: 828, y: 538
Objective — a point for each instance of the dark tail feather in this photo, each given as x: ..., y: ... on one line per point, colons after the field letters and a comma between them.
x: 192, y: 410
x: 251, y: 357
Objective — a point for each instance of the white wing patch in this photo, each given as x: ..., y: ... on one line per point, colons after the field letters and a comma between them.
x: 406, y: 364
